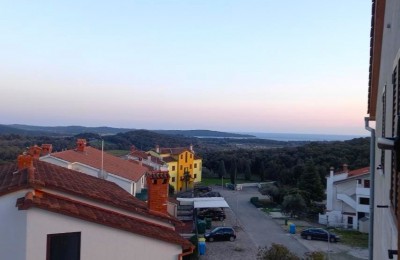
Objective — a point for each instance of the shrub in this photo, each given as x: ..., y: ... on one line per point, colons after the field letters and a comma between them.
x: 276, y: 251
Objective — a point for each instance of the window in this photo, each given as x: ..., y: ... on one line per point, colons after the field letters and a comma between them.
x: 195, y: 176
x: 173, y: 167
x: 191, y: 156
x: 186, y: 157
x: 181, y: 156
x: 173, y: 179
x: 181, y: 167
x: 395, y: 167
x: 64, y: 246
x: 195, y: 165
x: 359, y: 181
x: 190, y: 166
x: 366, y: 184
x: 364, y: 201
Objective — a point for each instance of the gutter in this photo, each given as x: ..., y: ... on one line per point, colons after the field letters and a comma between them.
x: 372, y: 189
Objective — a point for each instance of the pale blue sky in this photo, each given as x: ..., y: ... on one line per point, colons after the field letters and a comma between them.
x: 251, y: 66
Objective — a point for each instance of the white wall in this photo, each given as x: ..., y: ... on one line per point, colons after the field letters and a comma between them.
x: 385, y: 230
x: 97, y: 241
x: 12, y: 227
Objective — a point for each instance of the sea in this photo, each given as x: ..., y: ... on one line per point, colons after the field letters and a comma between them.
x: 302, y: 137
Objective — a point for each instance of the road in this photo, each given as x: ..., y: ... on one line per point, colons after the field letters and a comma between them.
x: 260, y: 227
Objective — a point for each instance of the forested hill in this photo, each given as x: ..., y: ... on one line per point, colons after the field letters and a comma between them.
x: 203, y: 133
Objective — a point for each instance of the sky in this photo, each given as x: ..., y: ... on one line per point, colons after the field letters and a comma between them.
x: 225, y: 65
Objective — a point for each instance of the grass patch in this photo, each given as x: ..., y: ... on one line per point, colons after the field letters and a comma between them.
x: 352, y: 238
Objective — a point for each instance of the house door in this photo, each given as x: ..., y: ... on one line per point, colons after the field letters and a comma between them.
x: 349, y: 222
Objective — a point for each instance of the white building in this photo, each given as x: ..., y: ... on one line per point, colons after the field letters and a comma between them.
x: 347, y: 199
x: 129, y: 175
x: 51, y: 212
x: 384, y: 111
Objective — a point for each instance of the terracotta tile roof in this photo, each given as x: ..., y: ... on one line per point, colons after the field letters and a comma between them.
x: 169, y: 159
x: 101, y: 216
x: 175, y: 151
x: 139, y: 154
x: 359, y: 172
x: 112, y: 164
x: 53, y: 177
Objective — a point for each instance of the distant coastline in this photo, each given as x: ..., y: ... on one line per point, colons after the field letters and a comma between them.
x: 302, y: 137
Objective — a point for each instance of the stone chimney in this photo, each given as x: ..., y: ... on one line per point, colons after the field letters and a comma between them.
x: 157, y: 149
x: 46, y: 149
x: 24, y: 161
x: 81, y: 145
x: 157, y: 184
x: 345, y: 168
x: 35, y: 151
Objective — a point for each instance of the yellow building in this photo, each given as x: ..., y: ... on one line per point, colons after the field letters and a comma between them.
x: 184, y: 166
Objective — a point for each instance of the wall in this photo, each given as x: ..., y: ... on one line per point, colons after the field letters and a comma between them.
x: 97, y: 241
x: 385, y: 230
x: 12, y: 227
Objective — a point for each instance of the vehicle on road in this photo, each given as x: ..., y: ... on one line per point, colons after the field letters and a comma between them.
x: 319, y: 234
x: 201, y: 188
x: 221, y: 234
x: 210, y: 194
x: 213, y: 213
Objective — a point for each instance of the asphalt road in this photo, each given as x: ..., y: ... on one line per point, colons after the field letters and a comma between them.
x: 261, y: 228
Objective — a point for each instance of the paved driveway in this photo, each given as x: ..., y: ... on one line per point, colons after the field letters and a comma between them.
x: 261, y: 228
x: 256, y: 229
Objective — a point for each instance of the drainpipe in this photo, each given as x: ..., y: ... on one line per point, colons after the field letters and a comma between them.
x: 372, y: 189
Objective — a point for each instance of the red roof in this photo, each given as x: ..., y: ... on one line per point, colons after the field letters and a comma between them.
x: 53, y: 177
x: 92, y: 157
x: 101, y: 216
x: 358, y: 172
x: 176, y: 150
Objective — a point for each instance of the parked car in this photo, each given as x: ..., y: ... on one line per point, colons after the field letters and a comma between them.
x: 210, y: 194
x: 221, y: 234
x: 319, y: 234
x: 200, y: 188
x: 213, y: 213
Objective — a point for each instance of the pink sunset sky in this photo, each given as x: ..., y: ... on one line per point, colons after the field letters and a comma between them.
x: 237, y: 66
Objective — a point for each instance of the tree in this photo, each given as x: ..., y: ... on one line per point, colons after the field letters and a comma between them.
x: 221, y: 169
x: 233, y: 172
x: 276, y: 251
x: 270, y: 190
x: 171, y: 190
x: 310, y: 184
x: 247, y: 170
x: 261, y: 171
x: 293, y: 205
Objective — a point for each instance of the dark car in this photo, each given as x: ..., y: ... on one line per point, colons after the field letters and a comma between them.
x: 213, y: 213
x: 200, y: 188
x: 221, y: 234
x: 210, y: 194
x: 319, y: 234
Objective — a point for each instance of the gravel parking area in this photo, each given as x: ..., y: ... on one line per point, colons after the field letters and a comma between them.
x: 240, y: 249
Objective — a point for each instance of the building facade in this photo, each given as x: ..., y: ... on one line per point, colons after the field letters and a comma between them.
x: 347, y: 199
x: 51, y: 212
x: 184, y: 166
x: 384, y: 111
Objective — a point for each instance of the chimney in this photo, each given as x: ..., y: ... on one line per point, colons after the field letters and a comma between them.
x: 24, y: 161
x: 81, y: 145
x: 191, y: 147
x: 34, y: 151
x: 46, y: 149
x: 345, y: 168
x: 157, y: 184
x: 331, y: 171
